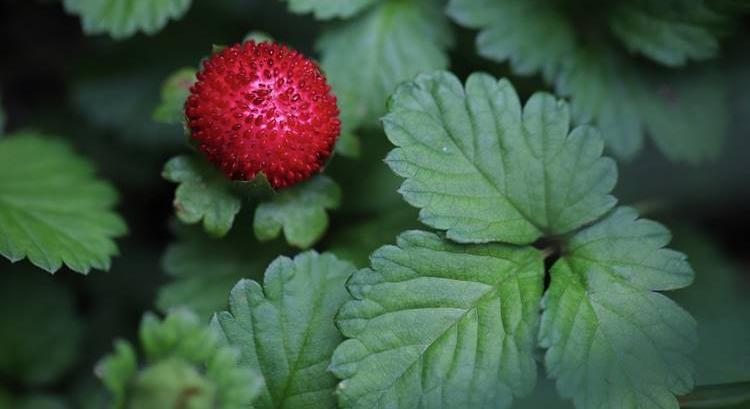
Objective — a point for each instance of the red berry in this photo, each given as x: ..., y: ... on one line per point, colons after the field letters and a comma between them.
x: 263, y: 108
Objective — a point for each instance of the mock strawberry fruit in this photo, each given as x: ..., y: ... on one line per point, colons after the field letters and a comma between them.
x: 262, y: 107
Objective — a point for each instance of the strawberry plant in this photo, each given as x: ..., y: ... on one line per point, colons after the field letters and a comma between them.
x: 389, y: 204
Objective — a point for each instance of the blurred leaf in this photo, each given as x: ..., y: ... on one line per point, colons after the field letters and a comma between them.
x: 348, y: 144
x: 204, y: 193
x: 530, y: 34
x: 185, y: 367
x: 365, y: 58
x: 285, y: 328
x: 300, y: 210
x: 670, y: 32
x: 612, y: 340
x: 684, y: 111
x: 123, y: 103
x: 204, y: 270
x: 257, y: 36
x: 479, y: 166
x: 357, y: 241
x: 430, y: 322
x: 174, y: 92
x: 42, y: 335
x: 718, y: 396
x: 326, y: 9
x: 123, y: 18
x: 52, y: 208
x: 2, y: 117
x: 718, y: 301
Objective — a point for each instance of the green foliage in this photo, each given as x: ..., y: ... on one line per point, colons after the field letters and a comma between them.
x: 611, y: 340
x: 185, y: 367
x: 123, y: 18
x: 52, y: 208
x: 285, y: 329
x: 41, y: 334
x: 366, y: 57
x: 484, y: 170
x: 326, y: 9
x: 174, y: 92
x: 436, y: 324
x: 568, y: 43
x: 203, y: 270
x: 203, y: 193
x: 299, y: 210
x: 427, y: 317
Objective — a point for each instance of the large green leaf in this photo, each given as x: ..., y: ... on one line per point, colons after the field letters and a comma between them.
x: 42, y: 335
x: 440, y: 325
x: 365, y: 58
x: 484, y: 170
x: 299, y: 210
x: 203, y: 270
x: 611, y: 340
x: 52, y: 208
x: 203, y: 193
x: 285, y: 329
x: 325, y: 9
x: 123, y: 18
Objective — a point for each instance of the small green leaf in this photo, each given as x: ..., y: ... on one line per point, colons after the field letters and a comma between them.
x: 365, y: 58
x: 348, y: 144
x: 326, y: 9
x: 670, y: 32
x: 203, y: 193
x: 186, y: 366
x: 52, y: 208
x: 299, y: 210
x: 123, y: 18
x: 204, y: 270
x: 285, y: 329
x: 440, y: 325
x: 174, y: 92
x: 611, y: 339
x: 42, y: 334
x: 483, y: 169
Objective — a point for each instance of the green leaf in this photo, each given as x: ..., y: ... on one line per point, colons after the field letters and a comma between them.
x: 611, y: 339
x: 285, y: 329
x: 204, y: 193
x: 718, y: 301
x: 42, y: 334
x: 484, y: 170
x: 365, y: 58
x: 203, y: 270
x: 684, y: 112
x: 326, y: 9
x: 39, y: 402
x: 186, y: 366
x: 52, y: 208
x: 670, y: 32
x: 123, y: 18
x: 440, y: 325
x: 299, y: 210
x: 530, y: 34
x: 575, y: 49
x: 174, y: 92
